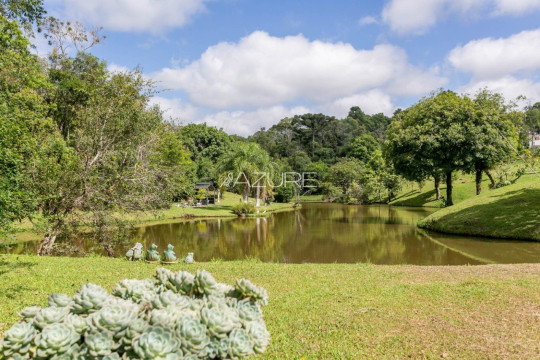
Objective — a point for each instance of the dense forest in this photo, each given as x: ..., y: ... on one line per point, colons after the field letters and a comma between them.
x: 82, y: 145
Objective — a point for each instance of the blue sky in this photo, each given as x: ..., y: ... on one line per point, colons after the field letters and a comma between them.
x: 245, y: 64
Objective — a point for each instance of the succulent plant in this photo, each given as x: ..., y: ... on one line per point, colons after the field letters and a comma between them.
x: 30, y: 312
x: 99, y: 343
x: 78, y: 323
x: 246, y: 289
x: 169, y: 298
x: 89, y: 298
x: 56, y: 339
x: 163, y: 275
x: 219, y: 321
x: 240, y: 344
x: 182, y: 282
x: 176, y: 316
x: 259, y: 335
x: 204, y: 283
x: 249, y: 311
x: 157, y: 342
x: 192, y: 334
x: 17, y: 340
x: 114, y: 318
x: 50, y: 315
x: 60, y: 300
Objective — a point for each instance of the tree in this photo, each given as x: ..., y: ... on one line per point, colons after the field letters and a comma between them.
x: 491, y: 134
x: 27, y: 134
x: 244, y: 161
x: 344, y: 173
x: 431, y: 137
x: 26, y: 12
x: 363, y: 147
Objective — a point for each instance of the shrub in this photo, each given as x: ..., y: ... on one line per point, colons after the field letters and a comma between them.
x: 284, y: 194
x: 243, y: 208
x: 174, y: 316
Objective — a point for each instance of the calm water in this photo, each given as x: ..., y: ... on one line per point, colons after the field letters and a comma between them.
x: 326, y: 233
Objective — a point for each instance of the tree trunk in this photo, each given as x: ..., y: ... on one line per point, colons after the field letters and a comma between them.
x: 449, y: 201
x: 258, y: 201
x: 246, y: 193
x: 46, y: 244
x: 478, y: 181
x: 437, y: 187
x: 490, y: 178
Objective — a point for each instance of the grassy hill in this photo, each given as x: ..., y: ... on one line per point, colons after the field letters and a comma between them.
x: 336, y: 311
x: 509, y: 212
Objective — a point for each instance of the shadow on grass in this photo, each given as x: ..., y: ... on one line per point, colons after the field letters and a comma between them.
x: 8, y: 266
x: 419, y: 200
x: 514, y: 214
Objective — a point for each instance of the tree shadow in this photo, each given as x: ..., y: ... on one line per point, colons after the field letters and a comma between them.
x: 419, y: 200
x: 8, y: 266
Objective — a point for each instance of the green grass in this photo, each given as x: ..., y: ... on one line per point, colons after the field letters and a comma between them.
x: 509, y: 212
x: 337, y: 311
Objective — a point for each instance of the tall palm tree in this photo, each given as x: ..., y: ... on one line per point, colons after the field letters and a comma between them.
x: 244, y: 161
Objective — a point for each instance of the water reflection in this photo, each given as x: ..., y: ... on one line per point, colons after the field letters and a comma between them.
x: 326, y: 233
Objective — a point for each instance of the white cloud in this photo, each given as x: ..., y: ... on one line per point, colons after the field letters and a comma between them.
x: 515, y: 7
x: 154, y: 16
x: 177, y: 110
x: 115, y: 68
x: 492, y: 58
x: 263, y: 71
x: 417, y: 16
x: 508, y: 86
x: 368, y: 20
x: 371, y: 102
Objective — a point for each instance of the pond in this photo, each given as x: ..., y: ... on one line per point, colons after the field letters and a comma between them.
x: 327, y: 233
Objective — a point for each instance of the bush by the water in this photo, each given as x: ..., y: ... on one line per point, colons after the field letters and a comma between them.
x: 178, y: 315
x: 243, y: 208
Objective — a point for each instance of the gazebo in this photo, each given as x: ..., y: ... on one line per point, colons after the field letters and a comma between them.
x: 209, y: 187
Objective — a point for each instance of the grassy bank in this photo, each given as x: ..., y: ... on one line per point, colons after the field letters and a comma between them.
x: 24, y: 230
x: 338, y: 311
x: 510, y: 212
x: 464, y: 187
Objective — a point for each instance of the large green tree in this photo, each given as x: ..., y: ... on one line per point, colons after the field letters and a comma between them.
x: 431, y: 137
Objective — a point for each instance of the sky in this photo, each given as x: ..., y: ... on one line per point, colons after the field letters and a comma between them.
x: 242, y: 65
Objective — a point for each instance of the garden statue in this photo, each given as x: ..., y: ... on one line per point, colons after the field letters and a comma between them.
x: 168, y: 255
x: 152, y: 255
x: 135, y: 253
x: 189, y: 258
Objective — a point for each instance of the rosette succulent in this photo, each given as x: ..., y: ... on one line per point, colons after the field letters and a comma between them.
x: 169, y: 298
x: 259, y: 335
x: 50, y: 315
x: 56, y: 340
x: 29, y: 313
x: 139, y: 291
x: 17, y: 340
x: 249, y: 311
x: 192, y: 334
x: 114, y: 318
x: 219, y: 321
x: 60, y: 300
x: 89, y: 298
x: 182, y: 282
x: 246, y: 289
x: 99, y: 343
x: 78, y: 323
x: 204, y: 283
x: 157, y: 342
x: 240, y: 344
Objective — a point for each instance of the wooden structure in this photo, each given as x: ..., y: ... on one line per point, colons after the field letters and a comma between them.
x: 209, y: 187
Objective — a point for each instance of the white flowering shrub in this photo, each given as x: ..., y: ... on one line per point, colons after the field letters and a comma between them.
x: 177, y: 315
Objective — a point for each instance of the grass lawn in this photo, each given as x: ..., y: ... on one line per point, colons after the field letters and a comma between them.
x: 463, y: 189
x: 509, y: 212
x: 338, y: 311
